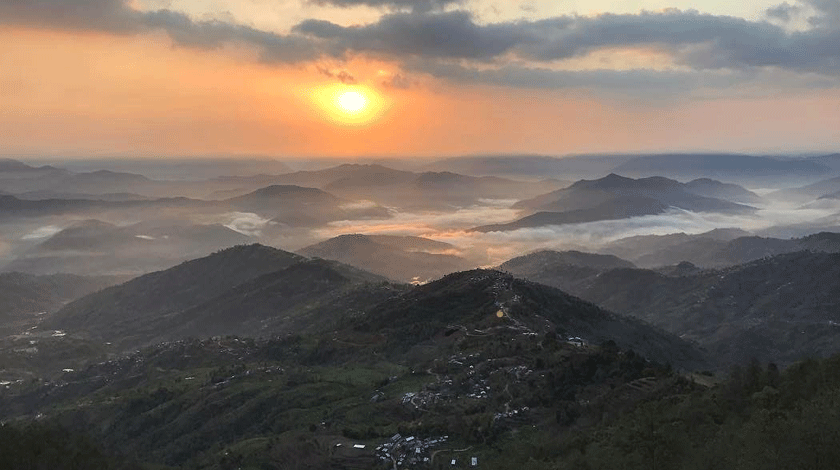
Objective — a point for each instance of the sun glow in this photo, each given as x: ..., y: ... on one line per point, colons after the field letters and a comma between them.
x: 351, y: 101
x: 351, y: 105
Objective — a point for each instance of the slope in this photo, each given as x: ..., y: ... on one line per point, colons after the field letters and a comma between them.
x: 586, y: 194
x: 782, y: 308
x: 121, y: 309
x: 488, y: 303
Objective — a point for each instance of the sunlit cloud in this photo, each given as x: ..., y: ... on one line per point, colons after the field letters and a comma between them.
x: 246, y: 223
x: 493, y: 248
x: 42, y: 232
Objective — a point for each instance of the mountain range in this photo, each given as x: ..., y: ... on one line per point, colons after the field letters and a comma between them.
x: 759, y: 170
x: 409, y: 190
x: 131, y: 307
x: 97, y: 247
x: 717, y: 248
x: 780, y: 308
x: 616, y: 197
x: 737, y: 167
x: 260, y: 291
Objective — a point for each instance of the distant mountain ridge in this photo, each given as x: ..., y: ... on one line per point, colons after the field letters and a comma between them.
x: 548, y: 258
x: 728, y: 191
x: 96, y: 247
x: 612, y: 210
x: 740, y: 167
x: 591, y: 193
x: 615, y: 197
x: 383, y: 185
x: 726, y: 166
x: 715, y: 249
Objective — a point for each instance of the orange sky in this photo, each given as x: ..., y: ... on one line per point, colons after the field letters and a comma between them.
x: 83, y: 94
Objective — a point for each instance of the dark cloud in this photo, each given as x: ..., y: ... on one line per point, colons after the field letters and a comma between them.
x: 663, y: 83
x: 397, y: 81
x: 697, y: 40
x: 828, y: 13
x: 416, y: 5
x: 101, y: 15
x: 453, y: 45
x: 116, y: 17
x: 443, y: 35
x: 341, y: 75
x: 784, y: 12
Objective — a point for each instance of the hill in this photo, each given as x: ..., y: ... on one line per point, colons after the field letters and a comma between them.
x: 298, y: 206
x: 586, y: 194
x: 16, y: 177
x: 481, y: 302
x: 615, y: 197
x: 24, y: 297
x: 321, y: 178
x: 730, y: 167
x: 214, y: 404
x: 832, y: 161
x: 635, y: 247
x: 781, y: 308
x: 119, y: 310
x: 530, y: 166
x: 570, y: 269
x: 12, y: 207
x: 537, y: 261
x: 13, y: 169
x: 808, y: 192
x: 327, y: 403
x: 416, y: 376
x: 109, y: 197
x: 727, y: 191
x: 96, y: 247
x: 398, y: 188
x: 715, y: 249
x: 407, y: 259
x: 308, y: 296
x: 283, y: 194
x: 620, y: 208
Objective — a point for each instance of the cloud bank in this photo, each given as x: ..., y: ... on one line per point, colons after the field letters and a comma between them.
x: 426, y: 37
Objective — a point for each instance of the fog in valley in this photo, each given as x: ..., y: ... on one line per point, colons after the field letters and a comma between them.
x: 448, y: 281
x: 101, y: 221
x: 419, y: 235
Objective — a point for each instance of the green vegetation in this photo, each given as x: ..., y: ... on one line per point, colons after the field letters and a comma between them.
x: 513, y: 401
x: 757, y: 419
x: 781, y: 309
x: 40, y: 446
x: 479, y: 364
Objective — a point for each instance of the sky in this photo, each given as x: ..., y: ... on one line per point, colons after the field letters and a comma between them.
x: 403, y: 78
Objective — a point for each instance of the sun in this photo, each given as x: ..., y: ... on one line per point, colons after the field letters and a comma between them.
x: 355, y: 105
x: 351, y: 102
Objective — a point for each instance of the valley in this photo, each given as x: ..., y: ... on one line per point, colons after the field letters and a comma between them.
x: 368, y: 320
